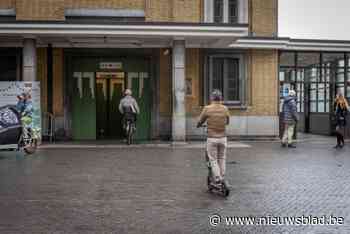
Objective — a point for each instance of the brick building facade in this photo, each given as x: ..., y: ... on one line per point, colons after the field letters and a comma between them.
x: 171, y: 53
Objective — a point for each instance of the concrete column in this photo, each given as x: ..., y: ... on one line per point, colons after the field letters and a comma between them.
x: 208, y: 11
x: 178, y: 89
x: 243, y: 11
x: 225, y: 7
x: 29, y: 59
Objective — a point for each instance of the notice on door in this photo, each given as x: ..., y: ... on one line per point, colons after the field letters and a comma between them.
x: 111, y: 66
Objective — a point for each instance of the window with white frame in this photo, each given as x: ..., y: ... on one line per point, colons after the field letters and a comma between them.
x: 226, y: 11
x: 233, y: 11
x: 226, y: 73
x: 218, y: 11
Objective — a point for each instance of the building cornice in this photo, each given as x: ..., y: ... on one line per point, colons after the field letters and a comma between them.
x: 147, y: 28
x: 282, y: 43
x: 149, y: 34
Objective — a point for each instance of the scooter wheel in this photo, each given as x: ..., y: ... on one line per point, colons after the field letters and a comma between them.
x: 210, y: 189
x: 226, y: 192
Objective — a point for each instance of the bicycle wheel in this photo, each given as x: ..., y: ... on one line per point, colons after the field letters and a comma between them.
x: 30, y: 147
x: 129, y: 134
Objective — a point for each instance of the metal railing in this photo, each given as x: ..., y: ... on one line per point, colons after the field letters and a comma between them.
x: 48, y: 126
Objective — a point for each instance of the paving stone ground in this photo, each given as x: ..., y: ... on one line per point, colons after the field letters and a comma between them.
x: 163, y: 190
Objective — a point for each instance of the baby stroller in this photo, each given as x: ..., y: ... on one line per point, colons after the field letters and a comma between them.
x: 14, y: 135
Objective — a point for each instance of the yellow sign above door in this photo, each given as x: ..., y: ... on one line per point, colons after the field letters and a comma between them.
x: 110, y: 75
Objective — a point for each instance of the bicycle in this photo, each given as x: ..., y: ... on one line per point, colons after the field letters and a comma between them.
x: 130, y: 129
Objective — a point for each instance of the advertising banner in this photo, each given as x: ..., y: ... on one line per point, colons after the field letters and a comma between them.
x: 9, y: 90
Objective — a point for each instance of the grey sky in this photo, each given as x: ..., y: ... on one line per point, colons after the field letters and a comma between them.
x: 314, y: 19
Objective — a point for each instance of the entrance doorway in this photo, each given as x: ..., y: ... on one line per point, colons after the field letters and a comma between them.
x: 95, y: 88
x: 109, y: 91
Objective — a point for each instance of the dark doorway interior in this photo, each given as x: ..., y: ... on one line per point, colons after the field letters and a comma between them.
x: 109, y: 91
x: 8, y: 68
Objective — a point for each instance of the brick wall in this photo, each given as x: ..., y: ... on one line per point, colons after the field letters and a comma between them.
x: 165, y: 94
x: 186, y: 11
x: 173, y: 10
x: 54, y: 9
x: 5, y: 4
x: 58, y: 82
x: 263, y: 17
x: 42, y: 76
x: 264, y: 83
x: 40, y: 9
x: 155, y: 10
x: 263, y: 13
x: 158, y: 10
x: 122, y: 4
x: 193, y: 73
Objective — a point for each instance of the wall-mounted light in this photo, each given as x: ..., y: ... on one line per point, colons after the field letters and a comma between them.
x: 166, y: 52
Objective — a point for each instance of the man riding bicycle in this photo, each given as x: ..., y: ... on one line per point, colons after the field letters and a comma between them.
x: 129, y: 108
x: 217, y: 117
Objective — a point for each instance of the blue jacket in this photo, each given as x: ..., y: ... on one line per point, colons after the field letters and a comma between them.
x: 290, y: 114
x: 340, y: 114
x: 25, y: 107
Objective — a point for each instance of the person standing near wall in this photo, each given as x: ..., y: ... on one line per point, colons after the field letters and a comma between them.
x: 341, y: 109
x: 290, y: 118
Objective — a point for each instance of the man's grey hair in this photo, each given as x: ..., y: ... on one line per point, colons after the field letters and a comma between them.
x: 292, y: 93
x: 128, y: 92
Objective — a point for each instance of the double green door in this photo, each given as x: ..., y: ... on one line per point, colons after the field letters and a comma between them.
x: 96, y: 96
x: 109, y: 91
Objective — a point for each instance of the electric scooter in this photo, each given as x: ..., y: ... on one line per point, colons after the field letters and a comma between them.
x: 220, y: 188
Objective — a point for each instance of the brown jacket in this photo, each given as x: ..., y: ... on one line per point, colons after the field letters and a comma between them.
x: 217, y: 117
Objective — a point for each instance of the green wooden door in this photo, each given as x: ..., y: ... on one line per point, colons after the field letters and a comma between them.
x: 116, y: 89
x: 84, y: 106
x: 101, y: 108
x: 95, y: 103
x: 139, y: 83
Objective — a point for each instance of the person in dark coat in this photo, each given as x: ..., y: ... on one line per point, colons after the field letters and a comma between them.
x: 290, y: 118
x: 341, y: 109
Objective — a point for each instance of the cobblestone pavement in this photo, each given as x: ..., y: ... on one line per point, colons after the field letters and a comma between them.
x: 163, y: 190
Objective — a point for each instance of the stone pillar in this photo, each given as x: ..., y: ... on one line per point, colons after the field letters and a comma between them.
x: 225, y: 15
x: 178, y: 91
x: 29, y: 59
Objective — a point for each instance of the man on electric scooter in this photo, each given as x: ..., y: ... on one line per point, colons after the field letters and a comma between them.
x: 217, y: 117
x: 128, y: 107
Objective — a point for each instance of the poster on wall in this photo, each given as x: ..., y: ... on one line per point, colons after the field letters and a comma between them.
x: 9, y: 90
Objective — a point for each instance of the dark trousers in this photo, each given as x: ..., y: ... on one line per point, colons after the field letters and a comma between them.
x: 129, y: 117
x: 339, y: 132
